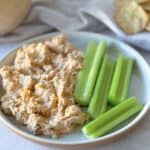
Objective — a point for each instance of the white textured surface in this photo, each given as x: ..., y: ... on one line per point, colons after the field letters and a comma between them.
x: 138, y: 139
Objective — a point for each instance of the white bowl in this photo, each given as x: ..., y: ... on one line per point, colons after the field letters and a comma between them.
x: 139, y: 87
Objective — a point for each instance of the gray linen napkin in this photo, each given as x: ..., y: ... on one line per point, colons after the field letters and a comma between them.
x: 70, y: 15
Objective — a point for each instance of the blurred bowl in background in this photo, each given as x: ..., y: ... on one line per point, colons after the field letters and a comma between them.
x: 12, y: 13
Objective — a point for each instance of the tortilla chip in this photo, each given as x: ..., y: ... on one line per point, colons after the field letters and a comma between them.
x: 147, y: 28
x: 131, y: 17
x: 146, y: 6
x: 118, y: 3
x: 141, y: 1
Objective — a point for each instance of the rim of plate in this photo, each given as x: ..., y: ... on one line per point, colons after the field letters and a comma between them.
x: 107, y: 137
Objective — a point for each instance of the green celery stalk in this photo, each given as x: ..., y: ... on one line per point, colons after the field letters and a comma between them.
x: 110, y: 119
x: 82, y: 75
x: 120, y: 82
x: 117, y: 121
x: 98, y: 103
x: 93, y: 73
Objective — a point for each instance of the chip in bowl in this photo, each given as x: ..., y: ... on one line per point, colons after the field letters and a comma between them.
x: 130, y: 16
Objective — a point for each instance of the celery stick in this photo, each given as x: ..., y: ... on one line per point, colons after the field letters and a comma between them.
x: 116, y: 121
x: 82, y: 75
x: 95, y: 67
x: 109, y: 115
x: 78, y: 86
x: 98, y: 102
x: 112, y: 118
x: 127, y: 78
x: 120, y: 82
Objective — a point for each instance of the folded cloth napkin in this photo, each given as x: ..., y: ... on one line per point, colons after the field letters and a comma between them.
x: 70, y: 15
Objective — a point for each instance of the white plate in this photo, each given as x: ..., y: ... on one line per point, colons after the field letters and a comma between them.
x: 140, y: 85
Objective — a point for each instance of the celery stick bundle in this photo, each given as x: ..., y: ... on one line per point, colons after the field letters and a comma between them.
x: 102, y: 85
x: 110, y: 119
x: 88, y: 74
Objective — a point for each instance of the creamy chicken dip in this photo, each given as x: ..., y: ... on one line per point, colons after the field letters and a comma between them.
x: 38, y: 87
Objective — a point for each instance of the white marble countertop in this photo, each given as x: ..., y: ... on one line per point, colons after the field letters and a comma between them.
x: 137, y: 139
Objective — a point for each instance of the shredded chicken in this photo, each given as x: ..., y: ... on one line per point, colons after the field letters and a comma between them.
x: 38, y: 88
